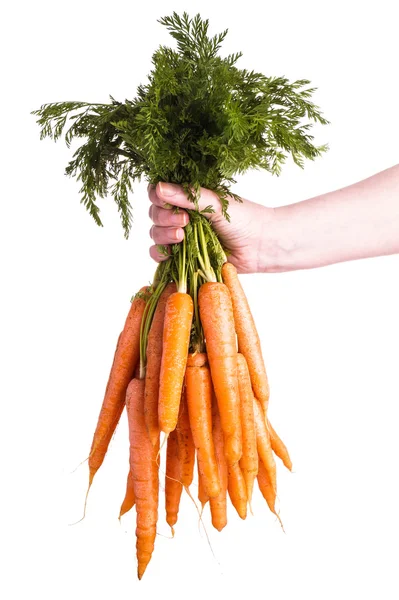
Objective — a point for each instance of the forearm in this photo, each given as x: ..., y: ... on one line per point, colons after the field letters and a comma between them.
x: 359, y: 221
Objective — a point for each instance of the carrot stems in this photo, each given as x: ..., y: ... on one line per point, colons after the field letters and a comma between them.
x: 161, y: 278
x: 182, y: 269
x: 203, y: 256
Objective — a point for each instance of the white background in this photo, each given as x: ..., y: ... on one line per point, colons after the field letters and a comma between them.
x: 330, y: 336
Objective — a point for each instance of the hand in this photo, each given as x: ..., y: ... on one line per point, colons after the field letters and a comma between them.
x: 244, y: 236
x: 358, y: 221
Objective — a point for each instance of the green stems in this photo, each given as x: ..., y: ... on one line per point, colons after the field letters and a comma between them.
x: 207, y: 271
x: 161, y: 278
x: 197, y: 335
x: 182, y: 267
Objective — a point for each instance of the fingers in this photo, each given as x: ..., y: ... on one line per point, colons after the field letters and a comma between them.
x: 166, y: 235
x: 167, y: 195
x: 156, y: 254
x: 168, y: 224
x: 167, y: 218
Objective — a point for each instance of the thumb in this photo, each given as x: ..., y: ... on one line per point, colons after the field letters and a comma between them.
x: 173, y: 194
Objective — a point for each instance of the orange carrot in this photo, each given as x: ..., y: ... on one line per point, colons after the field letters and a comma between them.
x: 267, y: 490
x: 217, y: 319
x: 219, y: 505
x: 237, y: 490
x: 202, y: 495
x: 279, y: 448
x: 153, y: 368
x: 248, y: 338
x: 266, y: 487
x: 176, y: 337
x: 264, y: 445
x: 249, y: 459
x: 199, y: 402
x: 185, y: 444
x: 129, y: 500
x: 173, y: 487
x: 125, y: 360
x: 144, y: 470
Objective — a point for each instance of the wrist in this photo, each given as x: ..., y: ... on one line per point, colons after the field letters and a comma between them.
x: 277, y: 244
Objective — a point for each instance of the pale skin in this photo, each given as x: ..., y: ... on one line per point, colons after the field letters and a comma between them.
x: 358, y: 221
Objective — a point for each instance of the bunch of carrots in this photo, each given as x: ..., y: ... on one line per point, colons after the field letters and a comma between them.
x: 189, y: 365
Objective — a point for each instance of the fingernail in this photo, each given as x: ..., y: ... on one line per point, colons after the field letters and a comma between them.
x: 169, y: 189
x: 179, y: 234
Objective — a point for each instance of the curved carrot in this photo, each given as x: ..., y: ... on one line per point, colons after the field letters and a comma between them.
x: 249, y: 459
x: 219, y: 504
x: 264, y: 445
x: 237, y: 490
x: 185, y: 444
x: 176, y: 338
x: 153, y: 368
x: 279, y: 448
x: 129, y: 499
x: 217, y: 319
x: 267, y: 490
x: 199, y: 402
x: 144, y: 468
x: 173, y: 487
x: 125, y: 360
x: 247, y: 335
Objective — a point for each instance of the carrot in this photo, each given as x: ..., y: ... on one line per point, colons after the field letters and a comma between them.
x: 237, y: 490
x: 248, y: 338
x: 267, y: 490
x: 199, y: 402
x: 264, y: 445
x: 197, y: 359
x: 219, y: 505
x: 217, y: 319
x: 144, y: 470
x: 125, y: 361
x: 279, y: 448
x: 266, y: 487
x: 176, y: 337
x: 173, y: 487
x: 202, y: 495
x: 185, y: 444
x: 129, y: 500
x: 153, y: 368
x: 249, y: 459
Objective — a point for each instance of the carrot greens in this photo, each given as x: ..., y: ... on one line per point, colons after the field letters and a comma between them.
x: 198, y: 121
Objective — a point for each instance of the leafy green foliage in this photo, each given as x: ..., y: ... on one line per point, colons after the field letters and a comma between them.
x: 198, y: 121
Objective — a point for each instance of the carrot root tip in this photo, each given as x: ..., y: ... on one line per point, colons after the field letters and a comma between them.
x: 280, y: 521
x: 79, y: 465
x: 165, y: 439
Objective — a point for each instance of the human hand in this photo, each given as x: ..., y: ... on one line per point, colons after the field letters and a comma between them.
x: 358, y: 221
x: 244, y: 236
